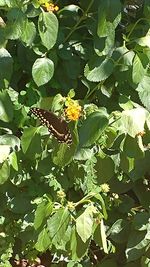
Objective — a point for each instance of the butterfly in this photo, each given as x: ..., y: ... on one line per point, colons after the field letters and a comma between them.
x: 57, y: 126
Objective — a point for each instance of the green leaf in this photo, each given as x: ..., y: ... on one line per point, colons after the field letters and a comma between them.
x: 43, y: 210
x: 13, y: 161
x: 44, y: 241
x: 119, y: 231
x: 132, y: 148
x: 143, y: 90
x: 138, y: 70
x: 31, y: 142
x: 105, y: 168
x: 92, y: 128
x: 42, y: 70
x: 4, y: 172
x: 98, y: 68
x: 58, y: 224
x: 78, y: 248
x: 15, y: 24
x: 48, y: 29
x: 6, y: 107
x: 136, y: 245
x: 6, y: 66
x: 84, y: 224
x: 29, y: 33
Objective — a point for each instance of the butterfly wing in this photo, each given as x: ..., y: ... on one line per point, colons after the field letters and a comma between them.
x: 57, y: 126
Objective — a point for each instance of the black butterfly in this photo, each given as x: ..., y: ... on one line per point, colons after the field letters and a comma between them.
x: 56, y: 126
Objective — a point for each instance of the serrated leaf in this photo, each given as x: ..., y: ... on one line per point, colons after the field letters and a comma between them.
x: 43, y: 210
x: 43, y: 242
x: 98, y: 68
x: 92, y: 128
x: 84, y: 224
x: 138, y: 70
x: 77, y: 246
x: 48, y: 29
x: 57, y: 225
x: 42, y: 70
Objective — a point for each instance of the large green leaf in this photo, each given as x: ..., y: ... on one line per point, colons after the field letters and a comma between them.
x: 6, y: 66
x: 58, y: 224
x: 84, y: 224
x: 138, y: 70
x: 133, y: 148
x: 78, y: 248
x: 29, y: 33
x: 48, y: 29
x: 105, y: 168
x: 98, y: 68
x: 136, y: 245
x: 42, y: 70
x: 43, y: 241
x: 31, y: 142
x: 43, y: 210
x: 92, y: 128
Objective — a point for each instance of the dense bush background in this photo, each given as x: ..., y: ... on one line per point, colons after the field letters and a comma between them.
x: 87, y: 204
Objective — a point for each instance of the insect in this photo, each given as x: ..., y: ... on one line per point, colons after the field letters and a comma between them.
x: 57, y: 126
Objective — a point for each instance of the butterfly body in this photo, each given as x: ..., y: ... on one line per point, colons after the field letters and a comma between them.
x: 57, y: 126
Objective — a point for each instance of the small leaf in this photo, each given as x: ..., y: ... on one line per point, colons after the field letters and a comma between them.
x: 84, y: 224
x: 48, y: 29
x: 43, y: 242
x: 42, y: 70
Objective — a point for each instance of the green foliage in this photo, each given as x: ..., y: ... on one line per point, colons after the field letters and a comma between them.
x: 86, y: 204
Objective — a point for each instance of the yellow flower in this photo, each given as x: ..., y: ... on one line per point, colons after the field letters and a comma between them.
x: 105, y: 188
x: 73, y: 110
x: 51, y: 7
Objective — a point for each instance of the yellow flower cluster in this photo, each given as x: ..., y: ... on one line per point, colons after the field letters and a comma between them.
x: 105, y: 188
x: 51, y: 7
x: 73, y: 110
